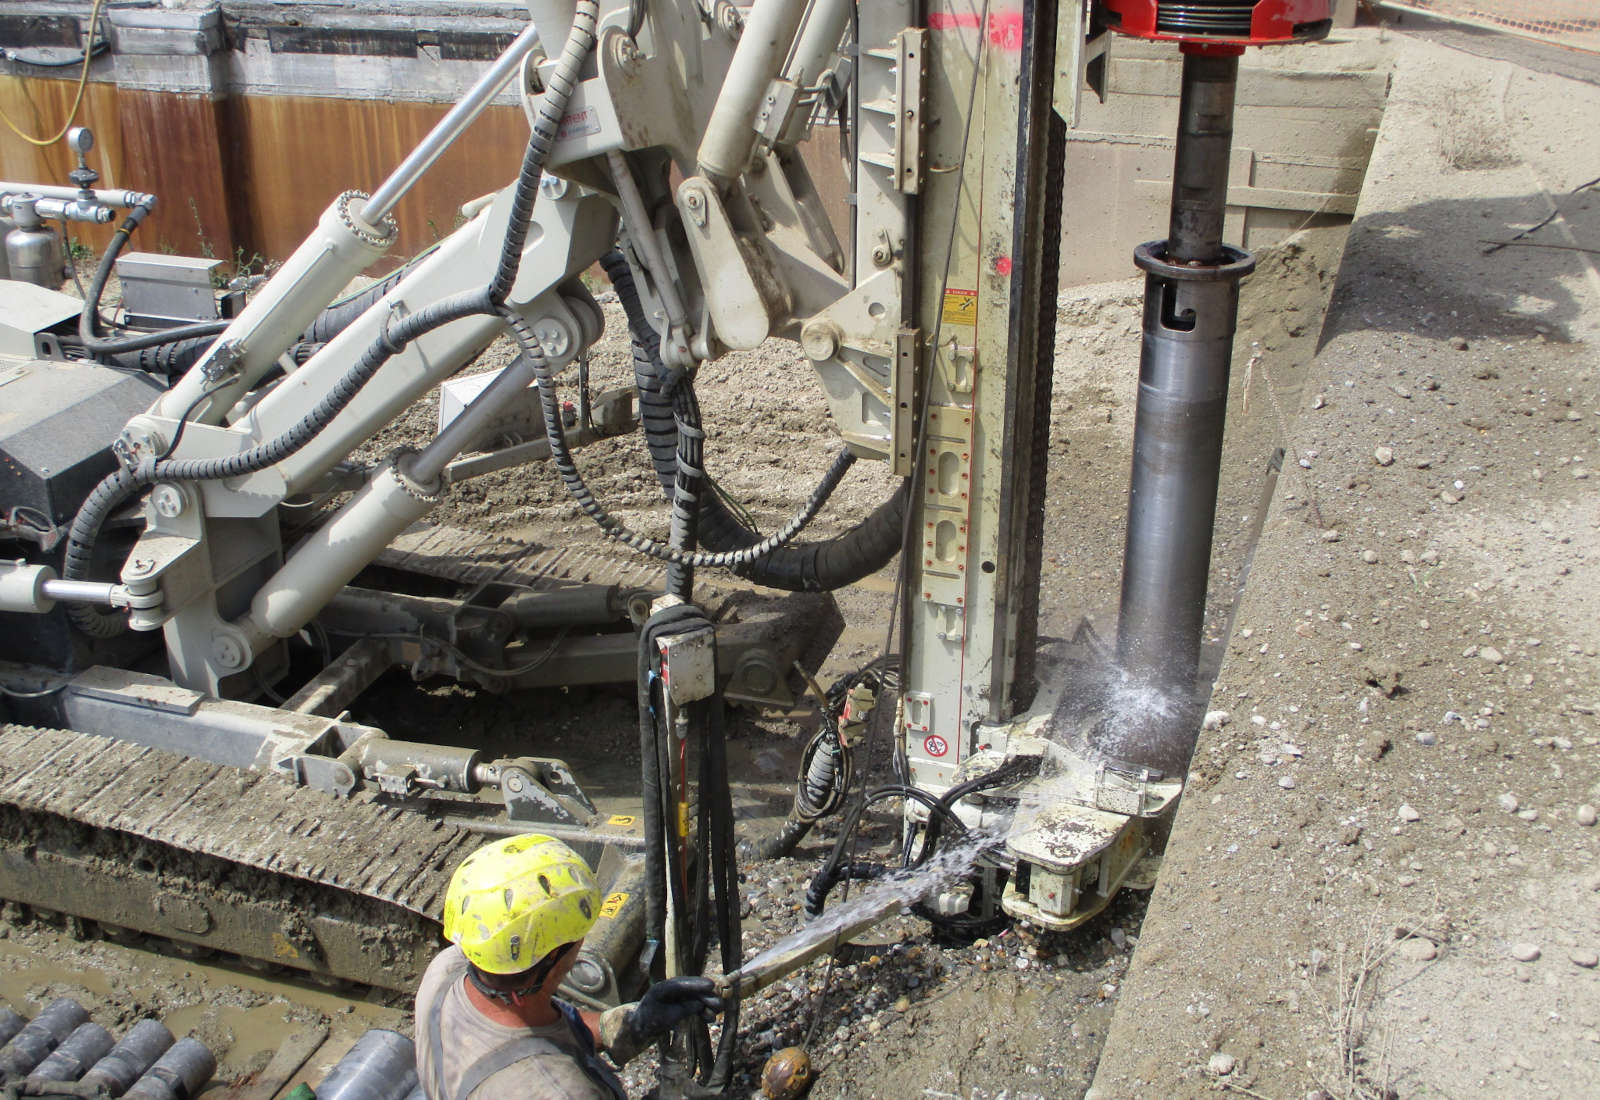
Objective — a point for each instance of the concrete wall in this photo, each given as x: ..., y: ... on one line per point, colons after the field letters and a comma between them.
x: 1304, y: 126
x: 248, y: 116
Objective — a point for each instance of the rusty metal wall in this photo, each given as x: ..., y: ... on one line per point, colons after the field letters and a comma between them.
x: 1571, y: 23
x: 246, y: 177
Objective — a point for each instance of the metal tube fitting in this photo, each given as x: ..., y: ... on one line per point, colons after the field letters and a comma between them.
x: 730, y: 135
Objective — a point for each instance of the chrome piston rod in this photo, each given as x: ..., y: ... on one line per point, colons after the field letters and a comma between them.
x: 1190, y: 309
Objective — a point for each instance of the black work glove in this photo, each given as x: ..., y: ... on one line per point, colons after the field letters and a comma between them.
x: 667, y: 1004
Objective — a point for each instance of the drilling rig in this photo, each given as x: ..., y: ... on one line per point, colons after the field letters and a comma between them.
x: 188, y: 528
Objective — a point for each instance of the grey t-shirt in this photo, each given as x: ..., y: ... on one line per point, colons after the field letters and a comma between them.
x: 466, y: 1036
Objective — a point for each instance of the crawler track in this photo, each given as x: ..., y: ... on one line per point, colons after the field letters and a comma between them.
x: 227, y: 859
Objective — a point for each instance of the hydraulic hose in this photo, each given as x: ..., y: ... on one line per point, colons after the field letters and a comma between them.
x: 578, y: 489
x: 120, y: 485
x: 89, y: 318
x: 805, y: 567
x: 941, y: 812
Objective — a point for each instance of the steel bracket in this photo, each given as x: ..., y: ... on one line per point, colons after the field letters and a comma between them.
x: 911, y: 66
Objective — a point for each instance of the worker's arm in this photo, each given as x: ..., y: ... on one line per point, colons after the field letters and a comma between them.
x: 624, y: 1031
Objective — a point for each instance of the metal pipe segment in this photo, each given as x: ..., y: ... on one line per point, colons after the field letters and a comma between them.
x: 1190, y: 310
x: 381, y: 1066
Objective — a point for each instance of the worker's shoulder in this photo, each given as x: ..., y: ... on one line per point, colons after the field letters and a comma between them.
x: 552, y: 1076
x: 447, y: 966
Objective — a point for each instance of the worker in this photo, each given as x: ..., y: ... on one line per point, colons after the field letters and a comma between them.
x: 489, y: 1026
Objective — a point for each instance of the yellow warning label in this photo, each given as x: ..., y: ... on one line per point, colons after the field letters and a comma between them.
x: 282, y: 948
x: 622, y: 821
x: 612, y: 906
x: 960, y: 307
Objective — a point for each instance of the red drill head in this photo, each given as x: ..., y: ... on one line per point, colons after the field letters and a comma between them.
x: 1235, y: 23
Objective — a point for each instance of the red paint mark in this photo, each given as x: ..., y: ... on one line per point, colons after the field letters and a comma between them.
x: 950, y: 21
x: 1002, y: 266
x: 1005, y: 30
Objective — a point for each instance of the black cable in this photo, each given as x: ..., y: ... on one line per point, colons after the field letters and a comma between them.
x: 89, y: 317
x: 801, y: 567
x: 118, y: 486
x: 183, y: 421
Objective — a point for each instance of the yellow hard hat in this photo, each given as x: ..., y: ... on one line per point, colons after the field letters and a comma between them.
x: 512, y: 902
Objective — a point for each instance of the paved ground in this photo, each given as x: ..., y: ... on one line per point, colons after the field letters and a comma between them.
x: 1383, y: 878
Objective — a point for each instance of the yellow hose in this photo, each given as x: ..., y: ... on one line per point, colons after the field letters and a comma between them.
x: 77, y: 99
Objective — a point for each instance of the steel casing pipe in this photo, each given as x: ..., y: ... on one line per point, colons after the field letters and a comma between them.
x: 36, y: 1039
x: 1191, y: 308
x: 381, y: 1066
x: 83, y: 1048
x: 179, y: 1074
x: 137, y: 1051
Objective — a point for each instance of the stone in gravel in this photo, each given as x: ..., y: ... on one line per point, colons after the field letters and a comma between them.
x: 1459, y: 344
x: 1216, y: 719
x: 1450, y: 498
x: 1319, y: 402
x: 1586, y: 816
x: 1403, y: 392
x: 1330, y: 535
x: 1427, y: 737
x: 1383, y: 456
x: 1286, y: 782
x: 1407, y: 812
x: 1492, y: 655
x: 1582, y: 956
x: 1370, y: 557
x: 1417, y: 949
x: 1375, y: 745
x: 1221, y: 1064
x: 1524, y: 952
x: 1508, y: 803
x: 903, y: 1004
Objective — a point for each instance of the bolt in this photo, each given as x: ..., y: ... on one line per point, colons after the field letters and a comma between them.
x: 513, y: 783
x: 882, y: 255
x: 138, y: 567
x: 227, y: 652
x: 552, y: 187
x: 168, y: 501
